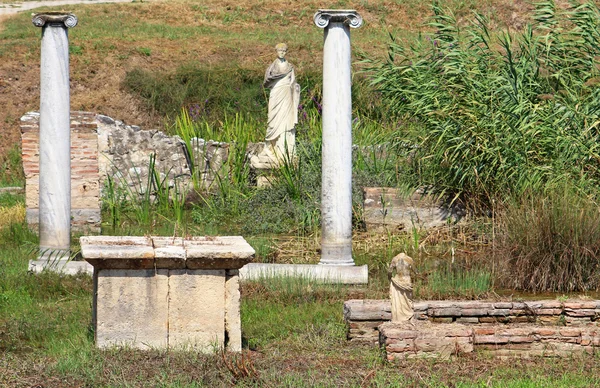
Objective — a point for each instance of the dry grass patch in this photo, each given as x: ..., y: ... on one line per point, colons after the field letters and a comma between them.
x: 12, y: 215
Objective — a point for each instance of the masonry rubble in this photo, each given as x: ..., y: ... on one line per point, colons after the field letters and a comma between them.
x: 363, y: 317
x: 426, y: 339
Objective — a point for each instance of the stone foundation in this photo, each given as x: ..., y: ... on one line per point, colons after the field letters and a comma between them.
x: 167, y: 292
x: 427, y: 339
x: 364, y: 316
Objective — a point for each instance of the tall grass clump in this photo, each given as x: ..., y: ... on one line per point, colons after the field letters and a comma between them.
x: 553, y: 241
x: 500, y: 113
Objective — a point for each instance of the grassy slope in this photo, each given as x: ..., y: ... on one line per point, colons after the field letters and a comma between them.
x: 112, y: 39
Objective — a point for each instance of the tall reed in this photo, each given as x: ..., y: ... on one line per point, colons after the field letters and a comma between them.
x: 500, y: 113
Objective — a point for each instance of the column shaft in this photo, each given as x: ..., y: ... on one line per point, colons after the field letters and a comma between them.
x: 55, y: 140
x: 336, y: 192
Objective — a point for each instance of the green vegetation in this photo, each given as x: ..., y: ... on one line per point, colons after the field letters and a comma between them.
x: 293, y: 331
x: 501, y: 114
x: 11, y: 168
x: 506, y: 123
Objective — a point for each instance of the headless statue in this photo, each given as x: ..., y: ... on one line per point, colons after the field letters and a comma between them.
x: 401, y: 288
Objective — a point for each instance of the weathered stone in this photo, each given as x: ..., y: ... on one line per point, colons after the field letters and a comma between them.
x: 133, y: 308
x: 367, y: 310
x: 499, y: 312
x: 545, y: 311
x: 401, y: 346
x: 472, y: 312
x: 442, y: 320
x: 471, y: 320
x: 388, y: 207
x: 199, y: 325
x: 570, y: 332
x: 580, y: 312
x: 233, y: 324
x: 220, y: 252
x: 446, y: 312
x: 490, y: 339
x: 551, y: 304
x: 580, y: 305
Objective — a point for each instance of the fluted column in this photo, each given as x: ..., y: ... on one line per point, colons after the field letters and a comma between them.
x: 336, y: 191
x: 55, y: 134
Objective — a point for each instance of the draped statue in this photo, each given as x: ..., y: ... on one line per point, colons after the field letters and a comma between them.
x: 283, y: 109
x: 401, y: 288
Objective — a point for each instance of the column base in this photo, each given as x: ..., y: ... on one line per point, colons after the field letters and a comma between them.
x: 336, y: 254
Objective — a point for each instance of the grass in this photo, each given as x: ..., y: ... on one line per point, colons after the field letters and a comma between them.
x: 144, y: 62
x: 293, y: 330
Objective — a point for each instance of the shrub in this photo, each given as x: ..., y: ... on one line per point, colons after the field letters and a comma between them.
x: 501, y: 114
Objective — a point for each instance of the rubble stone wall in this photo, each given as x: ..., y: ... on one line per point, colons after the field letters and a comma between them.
x: 363, y: 317
x: 103, y: 148
x: 427, y: 339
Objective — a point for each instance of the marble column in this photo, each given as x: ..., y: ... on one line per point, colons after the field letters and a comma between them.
x: 336, y: 192
x: 55, y: 134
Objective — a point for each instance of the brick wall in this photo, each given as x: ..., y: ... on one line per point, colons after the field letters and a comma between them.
x: 85, y: 187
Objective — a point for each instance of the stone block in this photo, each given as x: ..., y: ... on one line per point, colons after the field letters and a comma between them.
x: 169, y: 252
x: 335, y: 274
x: 233, y: 324
x: 576, y: 305
x: 401, y: 346
x: 367, y: 310
x: 388, y: 207
x: 218, y: 252
x: 545, y: 311
x: 133, y: 310
x: 443, y: 320
x: 196, y: 309
x: 497, y: 312
x: 471, y: 320
x: 580, y: 312
x: 446, y: 312
x: 474, y: 312
x: 490, y: 339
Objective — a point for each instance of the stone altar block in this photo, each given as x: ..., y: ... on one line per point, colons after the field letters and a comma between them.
x: 167, y: 292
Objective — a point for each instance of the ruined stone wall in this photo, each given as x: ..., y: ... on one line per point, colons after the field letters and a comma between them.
x: 103, y: 148
x: 407, y: 340
x: 85, y: 187
x: 363, y: 317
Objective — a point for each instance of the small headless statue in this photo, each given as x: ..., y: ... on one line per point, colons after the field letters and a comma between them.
x: 401, y: 288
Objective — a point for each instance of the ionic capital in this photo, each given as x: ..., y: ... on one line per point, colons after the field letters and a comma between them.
x: 347, y: 16
x: 55, y: 19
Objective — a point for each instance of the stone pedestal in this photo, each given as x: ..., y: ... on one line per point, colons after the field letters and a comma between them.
x: 167, y: 292
x: 336, y: 192
x: 55, y: 140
